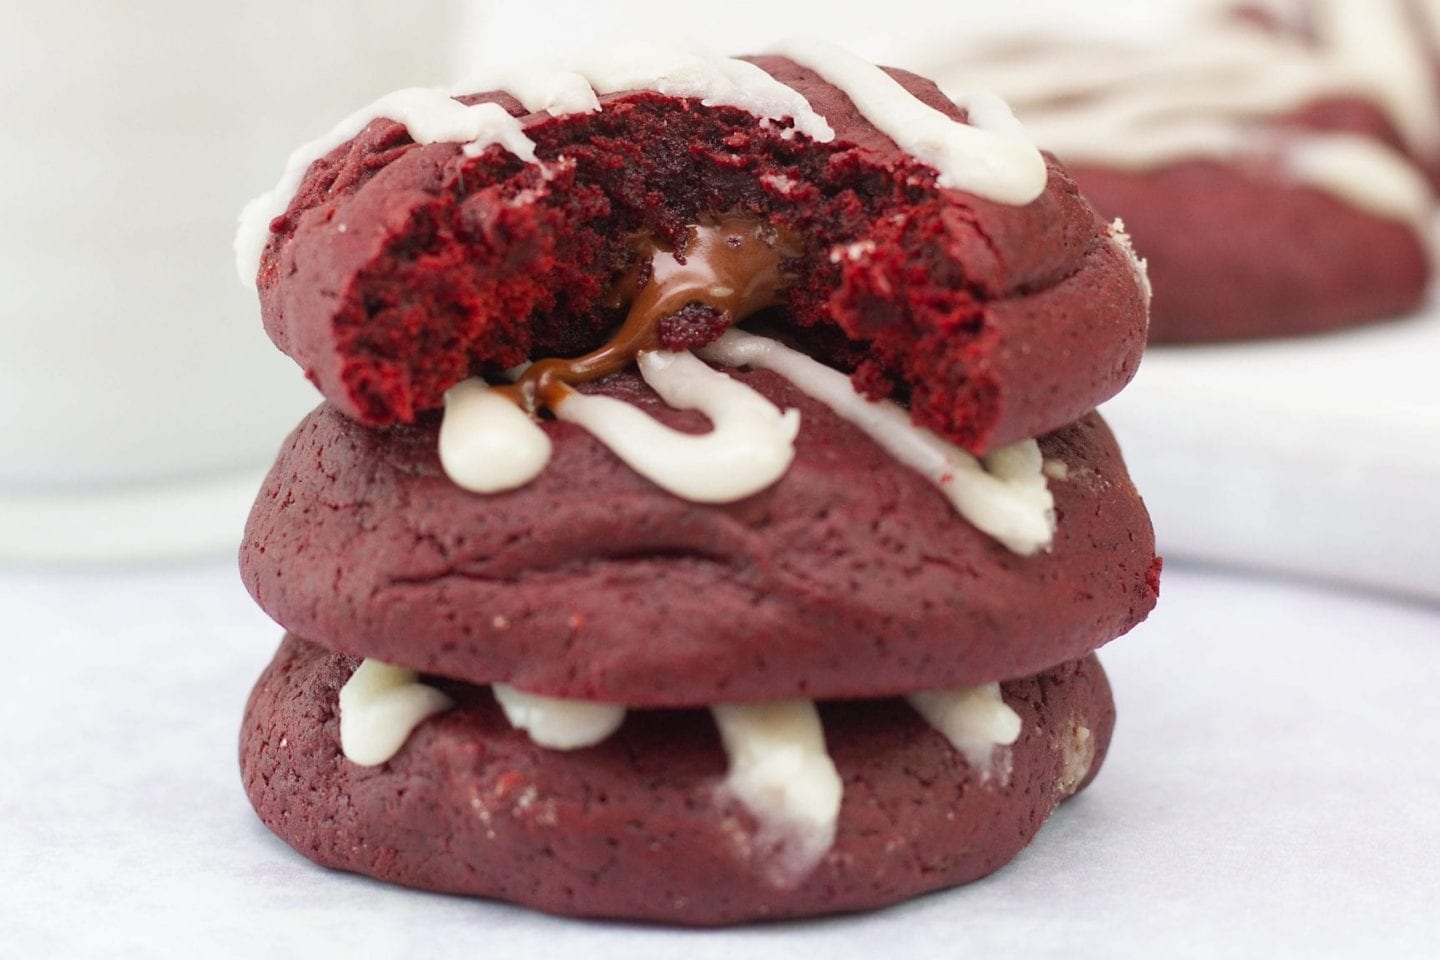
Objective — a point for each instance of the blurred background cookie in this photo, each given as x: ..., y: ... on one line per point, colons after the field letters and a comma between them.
x: 1271, y: 186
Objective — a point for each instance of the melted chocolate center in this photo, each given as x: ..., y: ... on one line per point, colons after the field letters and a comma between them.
x: 730, y: 265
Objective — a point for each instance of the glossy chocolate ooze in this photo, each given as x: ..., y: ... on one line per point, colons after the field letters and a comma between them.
x: 728, y: 269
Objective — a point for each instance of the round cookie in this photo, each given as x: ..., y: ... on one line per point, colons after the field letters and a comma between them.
x: 1236, y: 257
x: 639, y: 826
x: 399, y: 267
x: 851, y: 576
x: 1272, y: 190
x: 1391, y: 48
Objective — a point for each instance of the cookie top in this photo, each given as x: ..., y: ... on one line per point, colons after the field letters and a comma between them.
x: 940, y: 261
x: 851, y: 575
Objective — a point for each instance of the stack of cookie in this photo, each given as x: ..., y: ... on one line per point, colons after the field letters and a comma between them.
x: 1273, y: 172
x: 707, y: 519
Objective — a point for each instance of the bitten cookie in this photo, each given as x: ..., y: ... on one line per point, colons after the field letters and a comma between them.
x: 1271, y: 188
x: 646, y: 824
x: 960, y: 273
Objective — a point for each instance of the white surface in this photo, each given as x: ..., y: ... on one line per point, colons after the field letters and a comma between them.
x: 1271, y: 792
x: 130, y: 135
x: 1318, y: 456
x: 128, y: 523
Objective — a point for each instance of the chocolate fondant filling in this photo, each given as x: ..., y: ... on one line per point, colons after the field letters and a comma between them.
x: 725, y: 269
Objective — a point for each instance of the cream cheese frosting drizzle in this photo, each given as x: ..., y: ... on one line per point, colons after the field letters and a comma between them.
x: 379, y: 707
x: 680, y: 70
x: 990, y: 157
x: 1140, y: 108
x: 977, y: 722
x: 557, y: 92
x: 487, y: 444
x: 750, y: 447
x: 781, y: 772
x: 1004, y: 495
x: 1389, y: 46
x: 430, y: 115
x: 558, y: 723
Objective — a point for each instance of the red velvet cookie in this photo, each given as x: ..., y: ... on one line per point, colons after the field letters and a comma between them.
x: 1271, y: 191
x: 398, y: 268
x: 1234, y: 254
x: 640, y: 825
x: 668, y: 398
x: 852, y: 576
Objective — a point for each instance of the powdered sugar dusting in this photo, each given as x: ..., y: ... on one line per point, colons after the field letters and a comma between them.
x: 379, y: 706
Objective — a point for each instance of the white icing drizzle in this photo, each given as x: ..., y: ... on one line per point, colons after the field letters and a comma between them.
x: 780, y: 771
x: 991, y: 157
x: 1388, y: 44
x: 557, y: 92
x: 750, y: 447
x: 379, y: 706
x: 1004, y: 496
x: 680, y: 70
x: 487, y: 443
x: 1364, y: 173
x: 976, y: 721
x: 430, y: 116
x: 557, y: 723
x: 1123, y: 106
